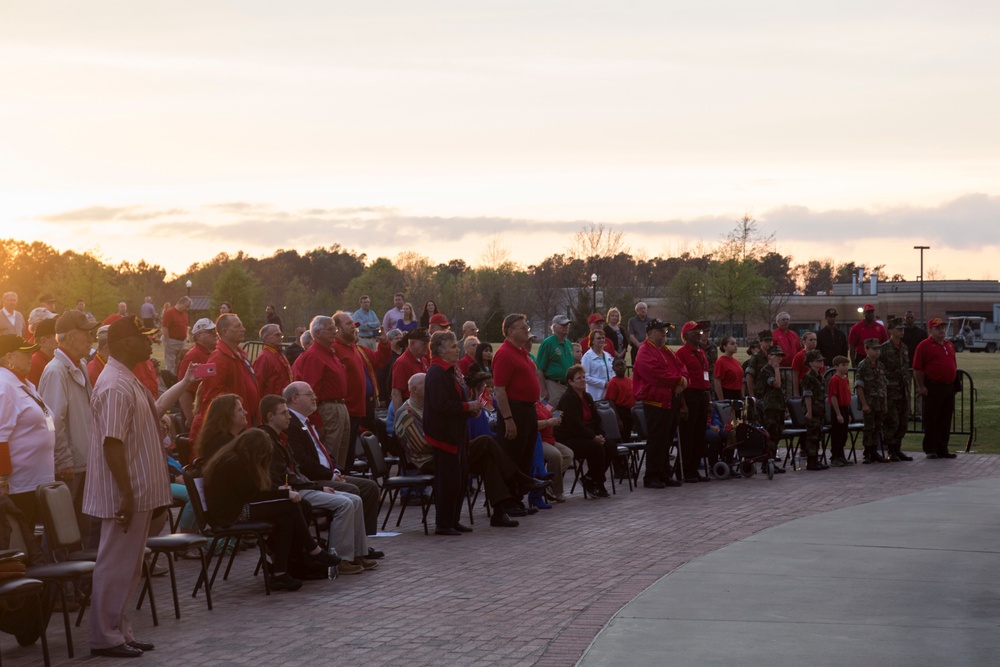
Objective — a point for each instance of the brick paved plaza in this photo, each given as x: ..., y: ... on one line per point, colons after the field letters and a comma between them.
x: 534, y: 595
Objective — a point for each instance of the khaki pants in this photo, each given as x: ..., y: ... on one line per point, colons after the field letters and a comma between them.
x: 556, y: 391
x: 336, y: 431
x: 116, y: 575
x: 558, y: 459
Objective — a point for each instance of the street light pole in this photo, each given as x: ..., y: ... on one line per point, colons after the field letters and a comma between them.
x: 921, y: 248
x: 188, y: 285
x: 593, y: 285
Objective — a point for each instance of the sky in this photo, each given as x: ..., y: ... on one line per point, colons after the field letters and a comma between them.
x: 172, y: 131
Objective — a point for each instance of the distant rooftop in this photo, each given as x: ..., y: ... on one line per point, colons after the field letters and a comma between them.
x: 964, y: 286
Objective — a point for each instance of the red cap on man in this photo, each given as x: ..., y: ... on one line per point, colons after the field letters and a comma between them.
x: 596, y: 317
x: 440, y: 320
x: 936, y: 322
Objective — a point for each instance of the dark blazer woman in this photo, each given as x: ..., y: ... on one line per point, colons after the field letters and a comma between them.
x: 580, y: 435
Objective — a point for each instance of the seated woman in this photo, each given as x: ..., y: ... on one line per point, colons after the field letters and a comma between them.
x: 238, y: 489
x: 558, y: 457
x: 225, y: 420
x: 582, y: 432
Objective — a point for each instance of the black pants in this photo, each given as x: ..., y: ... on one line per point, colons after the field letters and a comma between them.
x: 732, y: 394
x: 451, y: 477
x: 693, y: 430
x: 660, y: 424
x: 290, y: 530
x: 598, y: 457
x: 838, y: 433
x: 520, y: 449
x: 939, y: 407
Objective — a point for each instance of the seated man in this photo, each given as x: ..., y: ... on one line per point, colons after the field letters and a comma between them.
x: 501, y: 478
x: 347, y: 521
x: 314, y: 461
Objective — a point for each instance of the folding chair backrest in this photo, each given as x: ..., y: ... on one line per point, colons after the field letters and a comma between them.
x: 797, y: 412
x: 16, y: 541
x: 639, y: 421
x: 59, y: 516
x: 609, y: 421
x: 857, y: 414
x: 387, y: 440
x: 195, y: 485
x: 376, y: 460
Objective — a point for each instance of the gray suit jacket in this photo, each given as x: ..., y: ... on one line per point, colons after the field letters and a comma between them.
x: 18, y: 328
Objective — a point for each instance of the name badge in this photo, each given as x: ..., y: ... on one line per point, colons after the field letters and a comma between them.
x: 706, y: 376
x: 50, y: 423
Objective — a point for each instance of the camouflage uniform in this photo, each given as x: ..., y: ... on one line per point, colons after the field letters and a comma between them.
x: 896, y: 364
x: 814, y: 387
x: 871, y: 378
x: 770, y: 403
x: 752, y: 371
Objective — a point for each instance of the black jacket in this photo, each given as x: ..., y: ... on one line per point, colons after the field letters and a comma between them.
x: 304, y: 452
x: 445, y: 417
x: 573, y: 427
x: 284, y: 466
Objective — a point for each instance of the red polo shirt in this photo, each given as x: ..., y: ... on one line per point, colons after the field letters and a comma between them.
x: 324, y: 372
x: 360, y: 364
x: 514, y: 370
x: 406, y: 367
x: 841, y: 388
x: 273, y: 371
x: 789, y: 342
x: 94, y: 368
x: 38, y: 363
x: 936, y: 360
x: 465, y: 363
x: 619, y: 392
x: 800, y: 366
x: 729, y: 372
x: 196, y: 355
x: 861, y: 332
x: 175, y: 323
x: 696, y: 363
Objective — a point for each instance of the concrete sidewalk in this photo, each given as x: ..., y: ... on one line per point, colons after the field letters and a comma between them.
x: 908, y: 580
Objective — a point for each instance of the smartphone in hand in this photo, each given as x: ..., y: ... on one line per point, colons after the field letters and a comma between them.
x: 203, y: 371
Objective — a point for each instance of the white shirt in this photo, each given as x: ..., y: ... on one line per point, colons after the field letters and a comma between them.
x: 391, y: 318
x: 26, y: 425
x: 598, y: 372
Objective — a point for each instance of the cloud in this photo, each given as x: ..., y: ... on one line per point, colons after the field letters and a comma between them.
x: 963, y: 223
x: 109, y: 214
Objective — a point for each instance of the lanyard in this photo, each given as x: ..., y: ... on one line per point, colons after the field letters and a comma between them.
x: 41, y: 404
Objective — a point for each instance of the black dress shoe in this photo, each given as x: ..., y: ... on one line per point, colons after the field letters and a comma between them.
x: 531, y: 510
x: 948, y: 455
x: 462, y: 528
x: 903, y: 457
x: 501, y: 520
x: 691, y: 480
x: 653, y: 484
x: 930, y: 456
x: 142, y: 646
x: 446, y: 531
x: 374, y: 554
x: 601, y: 492
x: 672, y: 482
x: 120, y: 651
x: 517, y: 511
x: 527, y: 486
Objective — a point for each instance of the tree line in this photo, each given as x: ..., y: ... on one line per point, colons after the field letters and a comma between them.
x: 740, y: 280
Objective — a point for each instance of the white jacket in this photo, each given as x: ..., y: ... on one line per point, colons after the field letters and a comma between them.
x: 66, y: 390
x: 598, y: 371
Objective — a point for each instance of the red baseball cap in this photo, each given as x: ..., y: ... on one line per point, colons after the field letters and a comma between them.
x: 688, y: 326
x: 596, y: 317
x: 935, y: 322
x: 440, y: 320
x: 868, y: 306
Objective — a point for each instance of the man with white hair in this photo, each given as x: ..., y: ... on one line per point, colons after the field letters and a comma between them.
x: 637, y: 329
x: 204, y: 337
x: 786, y: 339
x: 325, y: 373
x: 272, y: 370
x: 233, y: 373
x: 11, y: 320
x: 553, y: 359
x: 175, y: 331
x: 469, y: 329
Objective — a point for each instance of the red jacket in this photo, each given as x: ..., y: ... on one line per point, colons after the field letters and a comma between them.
x: 656, y: 373
x: 273, y: 372
x: 361, y: 364
x: 233, y: 375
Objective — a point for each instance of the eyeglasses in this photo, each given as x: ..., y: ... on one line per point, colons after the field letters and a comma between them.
x: 306, y: 393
